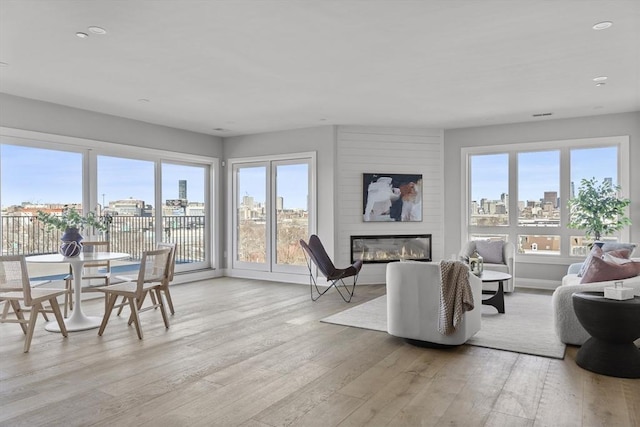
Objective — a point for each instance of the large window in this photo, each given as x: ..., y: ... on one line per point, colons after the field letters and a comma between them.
x: 272, y: 206
x: 520, y: 192
x: 148, y: 196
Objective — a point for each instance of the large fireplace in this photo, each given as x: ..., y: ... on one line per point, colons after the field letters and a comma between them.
x: 389, y: 248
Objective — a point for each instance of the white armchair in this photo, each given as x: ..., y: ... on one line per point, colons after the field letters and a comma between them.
x: 503, y: 261
x: 413, y: 304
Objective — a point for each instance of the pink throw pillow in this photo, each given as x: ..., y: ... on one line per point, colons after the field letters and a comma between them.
x: 600, y: 270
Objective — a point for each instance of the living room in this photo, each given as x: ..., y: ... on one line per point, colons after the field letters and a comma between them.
x: 344, y: 148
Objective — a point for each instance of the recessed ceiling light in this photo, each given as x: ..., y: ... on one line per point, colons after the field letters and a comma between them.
x: 600, y: 84
x: 82, y: 35
x: 600, y: 79
x: 602, y: 25
x: 97, y: 30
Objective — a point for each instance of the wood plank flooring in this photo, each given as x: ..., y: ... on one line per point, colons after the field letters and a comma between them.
x: 254, y: 354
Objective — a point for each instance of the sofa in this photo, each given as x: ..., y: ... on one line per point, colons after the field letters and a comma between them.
x: 413, y: 304
x: 568, y: 328
x: 496, y: 260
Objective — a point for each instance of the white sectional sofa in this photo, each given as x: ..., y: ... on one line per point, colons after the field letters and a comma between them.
x: 568, y: 328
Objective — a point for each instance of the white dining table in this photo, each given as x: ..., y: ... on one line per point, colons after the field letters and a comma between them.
x: 78, y: 321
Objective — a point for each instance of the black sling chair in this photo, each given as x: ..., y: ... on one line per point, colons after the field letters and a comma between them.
x: 314, y: 251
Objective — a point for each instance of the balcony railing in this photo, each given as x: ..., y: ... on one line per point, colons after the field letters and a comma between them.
x: 22, y: 235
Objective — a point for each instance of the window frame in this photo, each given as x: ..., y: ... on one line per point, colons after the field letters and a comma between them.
x: 90, y: 149
x: 513, y: 230
x: 270, y: 162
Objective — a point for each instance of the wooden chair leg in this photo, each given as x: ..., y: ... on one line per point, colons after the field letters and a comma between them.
x: 31, y: 326
x: 56, y: 311
x: 68, y: 298
x: 124, y: 299
x: 135, y: 316
x: 107, y: 312
x: 162, y: 309
x: 167, y: 296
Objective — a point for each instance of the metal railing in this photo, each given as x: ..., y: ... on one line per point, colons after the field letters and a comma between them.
x: 23, y: 235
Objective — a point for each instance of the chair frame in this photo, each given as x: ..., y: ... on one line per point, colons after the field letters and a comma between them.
x: 32, y: 299
x: 314, y: 253
x: 134, y: 293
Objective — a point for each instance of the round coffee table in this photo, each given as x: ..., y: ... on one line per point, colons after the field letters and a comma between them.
x: 613, y: 326
x: 497, y: 298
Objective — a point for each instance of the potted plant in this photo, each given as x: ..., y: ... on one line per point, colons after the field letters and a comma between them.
x: 71, y: 222
x: 598, y: 209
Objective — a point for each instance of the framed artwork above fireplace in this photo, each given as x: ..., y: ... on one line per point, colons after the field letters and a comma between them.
x: 392, y: 197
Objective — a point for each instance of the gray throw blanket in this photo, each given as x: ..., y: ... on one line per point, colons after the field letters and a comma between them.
x: 455, y: 296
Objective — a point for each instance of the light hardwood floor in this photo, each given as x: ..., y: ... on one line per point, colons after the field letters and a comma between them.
x: 253, y: 353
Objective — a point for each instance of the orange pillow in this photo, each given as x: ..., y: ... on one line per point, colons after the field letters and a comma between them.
x: 600, y: 270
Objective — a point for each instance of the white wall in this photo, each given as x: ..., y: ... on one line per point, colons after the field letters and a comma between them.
x: 545, y: 130
x: 39, y: 116
x: 387, y: 150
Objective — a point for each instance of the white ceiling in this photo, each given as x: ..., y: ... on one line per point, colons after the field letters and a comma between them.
x: 264, y: 65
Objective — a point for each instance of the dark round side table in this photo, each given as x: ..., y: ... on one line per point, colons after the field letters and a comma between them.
x: 613, y: 326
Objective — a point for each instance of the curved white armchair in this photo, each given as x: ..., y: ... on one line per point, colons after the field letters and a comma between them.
x: 508, y: 264
x: 413, y: 304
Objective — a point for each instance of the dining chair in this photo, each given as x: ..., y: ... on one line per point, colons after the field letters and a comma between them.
x: 154, y: 268
x: 15, y: 289
x: 91, y: 271
x: 165, y: 285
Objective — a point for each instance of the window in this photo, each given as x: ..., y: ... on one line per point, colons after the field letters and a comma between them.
x: 144, y: 192
x: 541, y: 178
x: 539, y: 189
x: 272, y: 211
x: 489, y: 204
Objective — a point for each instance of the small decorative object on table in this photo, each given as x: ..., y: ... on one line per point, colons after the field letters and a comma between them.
x: 476, y: 263
x: 71, y: 222
x: 619, y: 292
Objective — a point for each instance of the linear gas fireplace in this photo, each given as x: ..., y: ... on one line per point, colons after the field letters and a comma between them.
x: 388, y: 248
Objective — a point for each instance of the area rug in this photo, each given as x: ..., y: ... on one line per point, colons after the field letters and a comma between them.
x: 526, y: 327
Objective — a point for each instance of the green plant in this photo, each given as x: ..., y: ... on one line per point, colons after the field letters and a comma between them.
x: 71, y: 218
x: 598, y: 210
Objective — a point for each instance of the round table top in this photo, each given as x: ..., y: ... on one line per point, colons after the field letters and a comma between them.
x: 84, y: 257
x: 494, y: 276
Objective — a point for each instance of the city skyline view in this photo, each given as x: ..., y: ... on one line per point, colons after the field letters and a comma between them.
x: 490, y: 173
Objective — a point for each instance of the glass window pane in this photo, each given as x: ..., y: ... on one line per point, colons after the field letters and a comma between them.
x: 35, y: 179
x: 586, y: 163
x: 251, y: 214
x: 183, y: 212
x: 489, y: 202
x: 292, y: 212
x: 126, y: 192
x: 539, y: 189
x: 541, y: 245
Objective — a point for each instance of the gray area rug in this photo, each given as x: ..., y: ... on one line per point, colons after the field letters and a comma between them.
x: 526, y: 327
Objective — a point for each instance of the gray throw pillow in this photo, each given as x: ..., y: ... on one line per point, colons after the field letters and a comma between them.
x: 614, y: 246
x: 490, y: 251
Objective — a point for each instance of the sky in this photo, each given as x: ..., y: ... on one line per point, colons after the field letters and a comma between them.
x: 49, y: 176
x: 290, y: 179
x: 538, y: 172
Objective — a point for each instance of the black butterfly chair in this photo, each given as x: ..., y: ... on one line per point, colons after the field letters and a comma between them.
x: 314, y: 251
